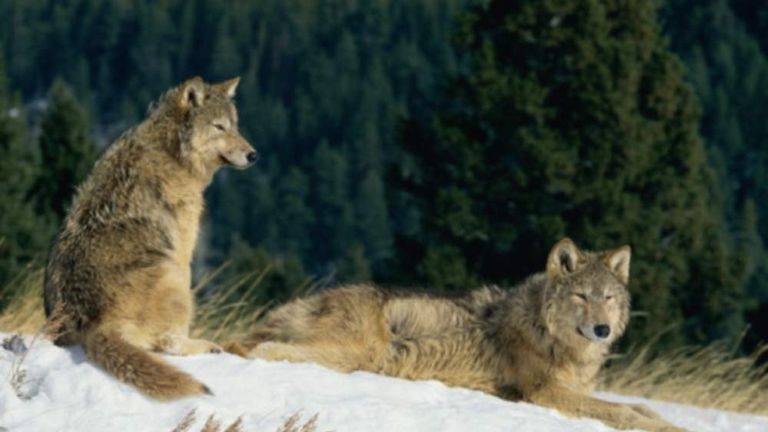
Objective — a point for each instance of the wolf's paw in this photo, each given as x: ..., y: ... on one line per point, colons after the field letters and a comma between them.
x: 200, y: 346
x: 263, y: 350
x: 236, y: 348
x: 208, y: 347
x: 645, y: 418
x: 178, y: 344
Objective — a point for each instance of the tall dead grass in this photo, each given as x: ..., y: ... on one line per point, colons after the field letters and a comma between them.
x: 211, y: 424
x: 291, y: 424
x: 713, y: 376
x: 24, y: 298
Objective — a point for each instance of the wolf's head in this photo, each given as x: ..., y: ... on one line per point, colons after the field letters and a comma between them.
x: 586, y: 299
x: 208, y: 134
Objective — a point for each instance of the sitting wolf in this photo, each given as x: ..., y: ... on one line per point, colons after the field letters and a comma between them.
x: 119, y: 271
x: 542, y: 342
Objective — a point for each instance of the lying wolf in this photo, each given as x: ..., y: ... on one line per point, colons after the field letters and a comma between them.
x: 119, y: 271
x: 542, y: 342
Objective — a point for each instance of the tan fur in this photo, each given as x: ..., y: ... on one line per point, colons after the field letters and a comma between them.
x: 120, y: 266
x: 536, y: 342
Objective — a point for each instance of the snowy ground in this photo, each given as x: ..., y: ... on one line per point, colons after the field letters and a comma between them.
x: 63, y: 392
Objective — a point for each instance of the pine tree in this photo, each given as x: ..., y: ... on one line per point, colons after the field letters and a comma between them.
x: 573, y: 119
x: 339, y: 71
x: 295, y: 218
x: 729, y: 72
x: 333, y: 213
x: 372, y: 220
x: 23, y: 235
x: 276, y: 279
x: 67, y: 152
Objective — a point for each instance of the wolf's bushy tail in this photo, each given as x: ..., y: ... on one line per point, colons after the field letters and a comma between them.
x: 140, y: 368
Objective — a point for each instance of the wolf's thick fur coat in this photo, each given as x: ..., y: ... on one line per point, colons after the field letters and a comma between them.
x: 544, y: 341
x: 119, y: 271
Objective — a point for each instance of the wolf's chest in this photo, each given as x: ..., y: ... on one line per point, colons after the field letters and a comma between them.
x: 188, y: 214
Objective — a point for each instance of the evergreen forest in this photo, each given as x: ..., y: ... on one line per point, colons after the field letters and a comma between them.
x: 442, y: 144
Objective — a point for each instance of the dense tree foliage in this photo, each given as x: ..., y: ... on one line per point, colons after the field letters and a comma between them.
x: 323, y: 85
x: 574, y: 119
x: 23, y: 234
x: 67, y: 152
x: 446, y: 142
x: 722, y: 42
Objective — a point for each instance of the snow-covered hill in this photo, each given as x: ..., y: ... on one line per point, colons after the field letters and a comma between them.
x: 64, y: 392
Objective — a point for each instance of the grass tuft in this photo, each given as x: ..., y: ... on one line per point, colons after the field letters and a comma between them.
x: 711, y: 377
x: 292, y: 424
x: 211, y: 424
x: 23, y: 297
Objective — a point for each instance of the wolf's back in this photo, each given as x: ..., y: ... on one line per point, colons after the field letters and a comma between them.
x: 140, y: 368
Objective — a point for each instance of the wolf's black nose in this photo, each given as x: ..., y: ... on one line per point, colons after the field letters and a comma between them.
x: 252, y: 157
x: 602, y: 330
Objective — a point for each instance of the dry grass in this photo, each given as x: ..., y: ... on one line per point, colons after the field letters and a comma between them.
x: 291, y: 424
x: 17, y: 375
x: 24, y: 294
x: 223, y: 315
x: 211, y: 424
x: 712, y: 376
x: 186, y: 423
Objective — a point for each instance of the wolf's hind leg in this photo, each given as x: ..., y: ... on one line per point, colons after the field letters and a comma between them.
x: 178, y: 344
x: 342, y: 359
x: 281, y: 351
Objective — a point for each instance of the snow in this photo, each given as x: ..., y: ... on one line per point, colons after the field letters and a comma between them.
x: 62, y: 391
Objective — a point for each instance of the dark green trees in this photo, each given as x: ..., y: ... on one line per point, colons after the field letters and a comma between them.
x: 67, y: 151
x: 723, y: 45
x: 568, y: 118
x: 38, y: 179
x: 23, y: 234
x: 339, y: 73
x: 574, y: 119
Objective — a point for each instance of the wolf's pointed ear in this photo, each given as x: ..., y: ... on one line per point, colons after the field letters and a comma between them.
x: 564, y: 257
x: 617, y: 261
x: 228, y: 87
x: 191, y: 93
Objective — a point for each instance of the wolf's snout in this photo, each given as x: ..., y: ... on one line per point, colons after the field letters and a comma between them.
x: 252, y: 157
x: 602, y: 330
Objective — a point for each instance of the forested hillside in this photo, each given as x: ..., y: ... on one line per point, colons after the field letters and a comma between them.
x: 429, y: 142
x: 323, y: 86
x: 724, y: 47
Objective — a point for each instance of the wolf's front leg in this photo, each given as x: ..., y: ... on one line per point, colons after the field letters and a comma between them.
x: 178, y: 344
x: 644, y: 410
x: 619, y: 416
